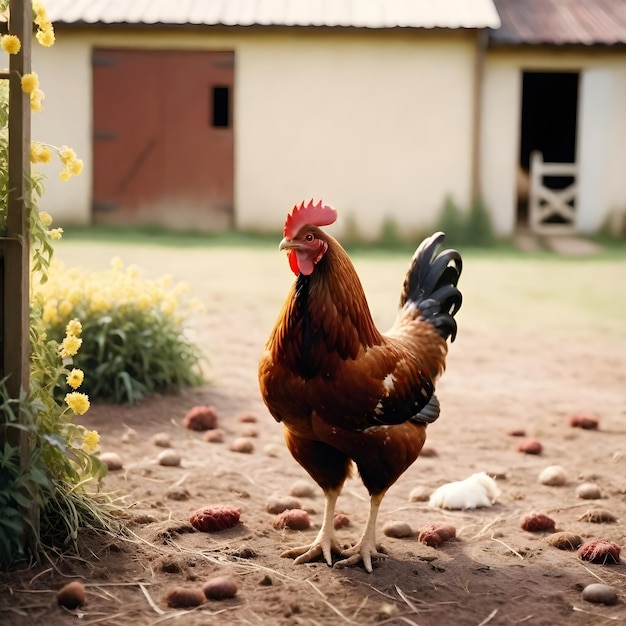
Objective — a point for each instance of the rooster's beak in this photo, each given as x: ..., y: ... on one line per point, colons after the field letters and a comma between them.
x: 288, y: 244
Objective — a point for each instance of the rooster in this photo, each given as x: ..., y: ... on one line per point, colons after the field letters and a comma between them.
x: 345, y: 392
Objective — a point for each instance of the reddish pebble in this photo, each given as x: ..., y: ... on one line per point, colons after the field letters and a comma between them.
x: 214, y: 436
x: 435, y: 534
x: 517, y: 432
x: 201, y: 418
x: 536, y: 522
x: 600, y: 551
x: 341, y: 520
x: 294, y: 519
x: 72, y: 595
x: 584, y: 420
x: 184, y: 597
x: 530, y: 446
x: 220, y: 588
x: 215, y: 518
x: 247, y: 417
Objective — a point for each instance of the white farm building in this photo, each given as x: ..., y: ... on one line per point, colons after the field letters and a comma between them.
x: 215, y: 114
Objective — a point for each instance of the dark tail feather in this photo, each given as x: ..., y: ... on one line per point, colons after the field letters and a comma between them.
x: 431, y: 283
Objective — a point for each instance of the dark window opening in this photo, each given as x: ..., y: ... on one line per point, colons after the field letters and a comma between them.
x: 548, y: 124
x: 221, y: 107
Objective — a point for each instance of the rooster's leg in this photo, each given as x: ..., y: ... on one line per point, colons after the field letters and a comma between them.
x: 325, y: 543
x: 365, y: 548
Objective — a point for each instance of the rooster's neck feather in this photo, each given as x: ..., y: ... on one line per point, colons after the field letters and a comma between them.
x: 327, y: 315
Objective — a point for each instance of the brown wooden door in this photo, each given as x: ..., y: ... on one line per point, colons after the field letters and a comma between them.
x: 163, y: 138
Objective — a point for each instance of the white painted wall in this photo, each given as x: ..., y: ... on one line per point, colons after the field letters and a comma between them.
x: 601, y: 147
x: 376, y: 123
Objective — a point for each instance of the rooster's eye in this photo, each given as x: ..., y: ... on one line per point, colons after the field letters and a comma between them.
x: 309, y: 237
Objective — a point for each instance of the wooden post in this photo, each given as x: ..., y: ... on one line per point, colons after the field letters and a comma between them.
x: 16, y: 265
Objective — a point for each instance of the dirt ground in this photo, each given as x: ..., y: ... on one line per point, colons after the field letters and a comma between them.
x: 528, y: 356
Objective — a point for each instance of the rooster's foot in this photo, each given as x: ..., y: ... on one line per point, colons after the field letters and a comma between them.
x: 362, y: 552
x: 320, y: 547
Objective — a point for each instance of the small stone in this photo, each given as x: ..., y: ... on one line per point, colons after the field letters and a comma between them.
x: 129, y: 436
x: 272, y: 450
x: 399, y: 530
x: 437, y: 533
x: 428, y: 451
x: 180, y: 494
x: 72, y: 595
x: 220, y: 588
x: 421, y: 493
x: 586, y: 421
x: 600, y: 594
x: 598, y: 516
x: 537, y: 522
x: 201, y: 418
x: 214, y: 436
x: 169, y: 458
x: 302, y: 489
x: 278, y: 504
x: 517, y: 432
x: 600, y: 551
x: 242, y: 445
x: 294, y: 519
x: 530, y: 446
x: 162, y: 440
x: 112, y: 460
x: 341, y: 520
x: 248, y: 430
x: 247, y: 418
x: 588, y: 491
x: 212, y: 519
x: 184, y: 598
x: 553, y: 475
x: 564, y: 540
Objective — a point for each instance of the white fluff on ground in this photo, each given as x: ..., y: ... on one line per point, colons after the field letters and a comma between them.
x: 479, y: 490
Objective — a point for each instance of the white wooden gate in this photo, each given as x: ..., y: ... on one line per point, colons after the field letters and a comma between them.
x: 552, y: 211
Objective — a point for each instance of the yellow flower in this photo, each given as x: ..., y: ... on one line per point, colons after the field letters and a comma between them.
x: 56, y: 233
x: 90, y: 441
x: 75, y: 378
x: 41, y: 15
x: 50, y: 315
x: 67, y: 155
x: 46, y: 37
x: 116, y: 263
x: 10, y: 44
x: 64, y: 175
x: 99, y: 303
x: 30, y: 82
x: 36, y: 98
x: 70, y: 346
x: 45, y: 217
x: 78, y: 402
x: 74, y: 328
x: 39, y: 153
x: 65, y: 307
x: 76, y: 167
x: 144, y: 301
x: 133, y: 271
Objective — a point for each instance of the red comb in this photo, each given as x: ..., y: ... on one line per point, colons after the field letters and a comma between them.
x: 315, y: 214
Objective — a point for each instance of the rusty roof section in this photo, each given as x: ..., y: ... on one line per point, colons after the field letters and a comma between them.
x: 561, y: 22
x: 375, y: 14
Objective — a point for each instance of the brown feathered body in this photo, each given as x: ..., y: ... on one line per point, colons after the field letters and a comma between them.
x: 343, y: 390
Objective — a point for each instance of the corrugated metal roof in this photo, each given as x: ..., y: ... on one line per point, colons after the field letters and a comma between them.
x: 561, y: 22
x: 327, y: 13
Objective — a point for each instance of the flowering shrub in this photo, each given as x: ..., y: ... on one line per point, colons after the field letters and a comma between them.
x: 62, y: 471
x: 132, y: 341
